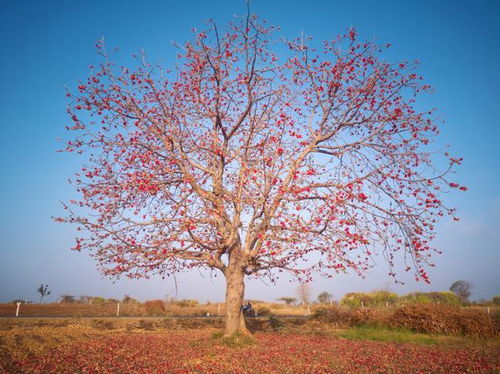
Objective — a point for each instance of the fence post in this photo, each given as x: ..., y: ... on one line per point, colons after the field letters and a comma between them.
x: 308, y: 310
x: 488, y: 310
x: 218, y: 309
x: 18, y: 304
x: 118, y: 309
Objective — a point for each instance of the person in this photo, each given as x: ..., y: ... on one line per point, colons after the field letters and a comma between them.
x: 247, y: 309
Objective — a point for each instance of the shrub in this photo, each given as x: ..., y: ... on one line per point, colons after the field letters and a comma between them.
x: 130, y: 300
x: 101, y: 324
x: 186, y: 303
x: 333, y: 315
x: 442, y: 319
x: 355, y: 299
x: 147, y: 325
x: 97, y: 300
x: 446, y: 297
x: 275, y: 323
x: 369, y: 317
x: 374, y: 298
x: 263, y: 311
x: 67, y: 299
x: 154, y: 307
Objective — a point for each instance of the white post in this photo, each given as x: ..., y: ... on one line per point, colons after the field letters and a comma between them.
x: 218, y: 309
x: 488, y: 310
x: 331, y: 302
x: 308, y: 310
x: 18, y: 303
x: 118, y: 309
x: 386, y: 304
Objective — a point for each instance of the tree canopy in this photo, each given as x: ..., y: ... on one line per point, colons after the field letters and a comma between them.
x: 257, y: 154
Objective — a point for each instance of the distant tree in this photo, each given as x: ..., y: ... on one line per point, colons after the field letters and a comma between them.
x: 127, y: 299
x: 288, y: 300
x: 304, y: 292
x: 462, y: 289
x: 43, y: 290
x: 324, y: 297
x: 495, y: 300
x: 97, y: 300
x: 67, y: 299
x: 84, y: 299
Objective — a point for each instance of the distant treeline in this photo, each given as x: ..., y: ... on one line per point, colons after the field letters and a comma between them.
x: 378, y: 298
x: 384, y: 298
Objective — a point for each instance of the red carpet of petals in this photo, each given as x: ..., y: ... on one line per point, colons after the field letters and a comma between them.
x: 196, y: 352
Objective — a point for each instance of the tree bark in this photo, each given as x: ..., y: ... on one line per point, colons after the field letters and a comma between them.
x: 235, y: 291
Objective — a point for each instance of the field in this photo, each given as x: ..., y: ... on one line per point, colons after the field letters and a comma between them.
x: 297, y: 345
x: 180, y: 308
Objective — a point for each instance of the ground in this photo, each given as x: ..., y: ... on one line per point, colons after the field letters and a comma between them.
x: 144, y: 346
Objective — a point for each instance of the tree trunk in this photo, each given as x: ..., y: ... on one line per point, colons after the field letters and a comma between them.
x: 235, y: 291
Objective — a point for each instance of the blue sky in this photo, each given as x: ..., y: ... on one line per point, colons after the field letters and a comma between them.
x: 48, y: 45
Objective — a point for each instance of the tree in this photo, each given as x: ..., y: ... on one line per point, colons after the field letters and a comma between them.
x: 288, y: 300
x: 127, y: 299
x: 462, y: 289
x: 304, y: 292
x: 43, y: 290
x: 324, y: 297
x: 250, y: 163
x: 67, y: 299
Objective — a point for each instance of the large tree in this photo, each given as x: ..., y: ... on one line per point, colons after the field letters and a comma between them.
x: 256, y: 155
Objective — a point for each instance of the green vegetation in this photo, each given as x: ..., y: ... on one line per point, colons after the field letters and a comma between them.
x: 374, y: 298
x: 398, y: 335
x: 386, y: 298
x: 234, y: 341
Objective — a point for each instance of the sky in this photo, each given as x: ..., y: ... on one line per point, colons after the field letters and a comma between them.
x: 48, y: 45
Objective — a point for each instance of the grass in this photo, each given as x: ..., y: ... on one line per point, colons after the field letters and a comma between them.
x: 234, y: 341
x: 383, y: 334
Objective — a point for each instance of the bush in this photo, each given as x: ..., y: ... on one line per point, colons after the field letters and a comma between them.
x: 446, y: 297
x: 101, y: 324
x: 97, y: 300
x: 374, y: 298
x: 154, y: 307
x: 186, y: 303
x: 130, y: 300
x: 334, y: 315
x: 442, y: 319
x: 147, y: 325
x: 369, y: 317
x: 275, y: 323
x: 67, y: 299
x: 263, y: 311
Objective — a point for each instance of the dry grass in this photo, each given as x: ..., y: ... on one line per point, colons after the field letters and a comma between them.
x: 140, y: 310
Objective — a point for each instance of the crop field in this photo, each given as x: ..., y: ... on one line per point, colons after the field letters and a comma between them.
x: 133, y: 345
